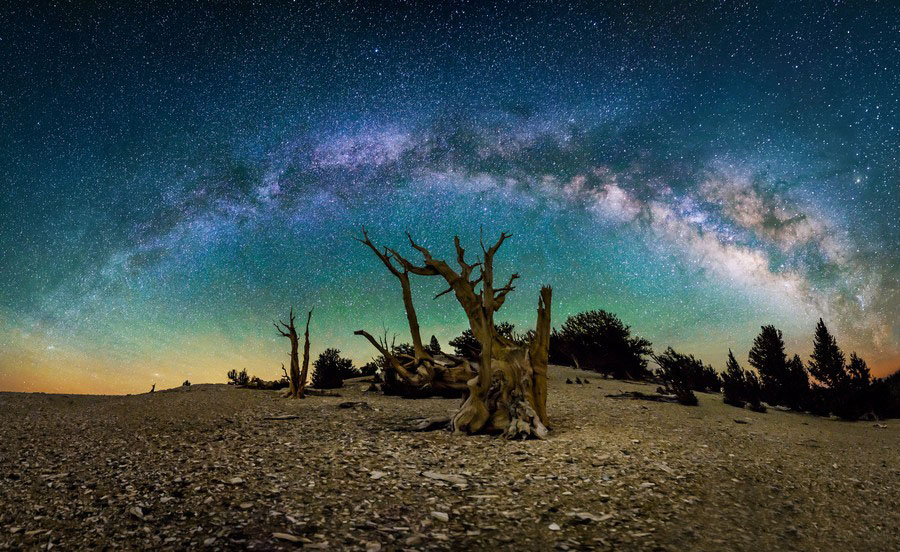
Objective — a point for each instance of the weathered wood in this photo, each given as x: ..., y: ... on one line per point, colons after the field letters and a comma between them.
x: 506, y: 390
x: 297, y: 376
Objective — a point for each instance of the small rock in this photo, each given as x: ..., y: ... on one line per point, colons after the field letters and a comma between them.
x: 209, y: 541
x: 449, y: 478
x: 554, y: 527
x: 285, y: 537
x: 235, y: 481
x: 583, y: 516
x: 246, y: 505
x: 354, y: 404
x: 137, y: 512
x: 375, y: 474
x: 373, y: 547
x: 440, y: 516
x: 413, y: 540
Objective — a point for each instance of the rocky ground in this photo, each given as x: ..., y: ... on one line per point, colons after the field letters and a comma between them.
x: 202, y: 467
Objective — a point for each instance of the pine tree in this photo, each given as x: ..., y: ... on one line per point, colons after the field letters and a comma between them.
x: 858, y: 371
x: 768, y: 357
x: 331, y: 369
x: 753, y: 391
x: 734, y: 382
x: 434, y: 347
x: 678, y: 374
x: 827, y: 361
x: 854, y: 397
x: 796, y: 385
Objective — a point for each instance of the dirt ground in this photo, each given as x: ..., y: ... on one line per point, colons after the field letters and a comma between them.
x: 201, y: 467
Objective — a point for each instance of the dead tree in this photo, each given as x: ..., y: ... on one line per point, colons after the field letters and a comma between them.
x: 505, y: 391
x: 297, y: 375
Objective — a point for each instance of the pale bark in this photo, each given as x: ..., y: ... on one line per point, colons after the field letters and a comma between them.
x: 297, y: 376
x: 506, y: 390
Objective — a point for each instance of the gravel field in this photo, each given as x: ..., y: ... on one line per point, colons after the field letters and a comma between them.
x: 201, y: 467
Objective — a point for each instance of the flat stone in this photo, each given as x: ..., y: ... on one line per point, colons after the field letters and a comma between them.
x: 286, y: 537
x: 449, y: 478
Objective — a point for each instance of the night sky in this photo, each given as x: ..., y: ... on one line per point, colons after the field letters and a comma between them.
x: 177, y: 175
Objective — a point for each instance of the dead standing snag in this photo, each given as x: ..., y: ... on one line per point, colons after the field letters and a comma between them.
x: 506, y: 390
x: 297, y: 376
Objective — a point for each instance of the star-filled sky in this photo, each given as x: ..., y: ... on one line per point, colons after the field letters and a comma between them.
x: 177, y: 174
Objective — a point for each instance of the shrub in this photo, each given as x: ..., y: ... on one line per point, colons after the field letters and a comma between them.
x: 187, y: 383
x: 753, y: 392
x: 677, y: 373
x: 238, y: 378
x: 331, y: 369
x: 598, y: 341
x: 369, y: 369
x: 556, y: 354
x: 734, y: 383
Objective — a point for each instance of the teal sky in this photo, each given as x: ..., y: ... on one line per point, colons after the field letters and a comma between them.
x: 176, y: 177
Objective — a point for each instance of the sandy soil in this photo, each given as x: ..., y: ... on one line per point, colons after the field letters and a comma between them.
x: 201, y: 467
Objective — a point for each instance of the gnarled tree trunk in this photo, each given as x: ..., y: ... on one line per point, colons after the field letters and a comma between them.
x: 506, y: 390
x: 297, y: 376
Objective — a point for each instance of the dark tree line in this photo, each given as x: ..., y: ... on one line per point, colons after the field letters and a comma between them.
x: 784, y: 382
x: 829, y: 384
x: 329, y: 372
x: 741, y: 387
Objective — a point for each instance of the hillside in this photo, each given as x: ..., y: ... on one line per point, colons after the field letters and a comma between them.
x: 201, y: 466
